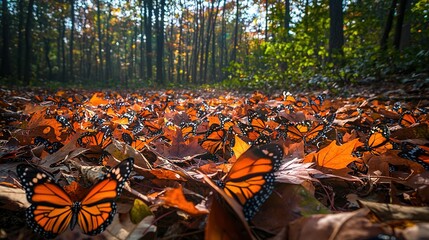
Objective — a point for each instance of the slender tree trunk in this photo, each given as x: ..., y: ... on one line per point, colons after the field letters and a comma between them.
x: 160, y: 43
x: 142, y: 39
x: 213, y: 55
x: 336, y: 37
x: 195, y: 53
x: 148, y: 24
x: 399, y: 23
x: 179, y: 48
x: 388, y: 26
x: 287, y: 19
x: 266, y: 20
x: 223, y: 50
x: 5, y: 59
x: 108, y: 47
x: 170, y: 76
x: 28, y: 46
x: 21, y: 15
x: 203, y: 45
x: 100, y: 43
x: 63, y: 52
x: 237, y: 18
x: 71, y: 63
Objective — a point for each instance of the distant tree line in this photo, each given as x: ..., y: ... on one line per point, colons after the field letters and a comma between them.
x: 160, y: 42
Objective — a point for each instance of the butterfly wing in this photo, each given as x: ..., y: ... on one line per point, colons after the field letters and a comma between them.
x: 251, y: 179
x: 98, y: 208
x: 50, y: 212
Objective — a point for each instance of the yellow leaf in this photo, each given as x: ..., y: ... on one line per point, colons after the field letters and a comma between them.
x: 139, y: 211
x: 240, y: 147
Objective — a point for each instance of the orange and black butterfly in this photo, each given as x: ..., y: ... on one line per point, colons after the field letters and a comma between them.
x: 136, y: 143
x: 189, y: 129
x: 154, y: 126
x: 254, y: 137
x: 378, y: 140
x: 308, y: 131
x: 96, y: 142
x: 52, y: 210
x: 251, y: 179
x: 416, y: 153
x: 216, y: 139
x: 407, y: 119
x: 48, y: 146
x: 99, y: 139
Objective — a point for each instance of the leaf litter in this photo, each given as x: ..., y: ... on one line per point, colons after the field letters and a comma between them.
x: 352, y: 168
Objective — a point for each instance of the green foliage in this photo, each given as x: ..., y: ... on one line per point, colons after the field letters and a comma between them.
x: 303, y: 60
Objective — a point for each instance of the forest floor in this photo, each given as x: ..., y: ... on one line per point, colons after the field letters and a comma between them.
x: 218, y: 164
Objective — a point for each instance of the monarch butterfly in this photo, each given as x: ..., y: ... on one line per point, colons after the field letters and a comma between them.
x: 378, y: 140
x: 251, y: 179
x: 215, y: 139
x: 418, y: 154
x: 52, y: 210
x: 154, y: 126
x: 306, y: 131
x: 189, y: 129
x: 253, y: 136
x: 137, y: 144
x: 310, y: 132
x: 100, y: 139
x: 48, y: 146
x: 407, y: 119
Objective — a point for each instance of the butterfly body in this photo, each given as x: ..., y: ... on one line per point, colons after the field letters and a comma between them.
x: 52, y: 210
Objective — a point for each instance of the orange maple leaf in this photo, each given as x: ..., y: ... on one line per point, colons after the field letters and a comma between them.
x: 334, y: 156
x: 174, y: 197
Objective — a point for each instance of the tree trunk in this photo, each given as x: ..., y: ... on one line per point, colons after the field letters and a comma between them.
x: 160, y: 43
x: 388, y: 26
x: 5, y: 61
x: 63, y: 51
x: 287, y: 19
x: 142, y: 53
x: 266, y: 20
x: 399, y: 22
x: 19, y: 58
x: 108, y: 69
x: 28, y: 47
x: 223, y: 50
x: 148, y: 24
x: 100, y: 45
x: 71, y: 64
x: 235, y: 46
x: 336, y: 37
x: 213, y: 61
x: 179, y: 47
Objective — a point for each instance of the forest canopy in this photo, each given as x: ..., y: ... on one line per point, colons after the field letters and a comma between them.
x: 230, y: 43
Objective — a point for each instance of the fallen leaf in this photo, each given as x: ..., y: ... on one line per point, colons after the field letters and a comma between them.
x: 334, y: 156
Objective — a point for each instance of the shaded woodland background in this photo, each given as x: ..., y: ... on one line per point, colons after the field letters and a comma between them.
x: 230, y: 43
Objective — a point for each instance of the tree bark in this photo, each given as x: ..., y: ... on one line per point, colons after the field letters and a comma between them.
x: 388, y: 26
x: 28, y: 46
x: 399, y: 22
x: 100, y: 41
x: 160, y: 43
x: 287, y: 19
x: 237, y: 17
x: 5, y: 64
x: 148, y: 24
x: 72, y: 16
x: 336, y: 37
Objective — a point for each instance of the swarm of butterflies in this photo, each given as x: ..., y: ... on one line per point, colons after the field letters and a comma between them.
x: 263, y: 125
